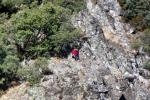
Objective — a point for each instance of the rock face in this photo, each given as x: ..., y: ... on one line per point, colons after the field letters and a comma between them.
x: 107, y: 69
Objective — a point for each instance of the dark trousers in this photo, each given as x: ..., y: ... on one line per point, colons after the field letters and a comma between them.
x: 76, y: 57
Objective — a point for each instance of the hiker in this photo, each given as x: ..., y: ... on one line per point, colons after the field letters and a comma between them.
x: 64, y: 53
x: 75, y: 54
x: 65, y: 50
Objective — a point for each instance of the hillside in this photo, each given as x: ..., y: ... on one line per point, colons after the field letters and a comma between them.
x: 113, y: 52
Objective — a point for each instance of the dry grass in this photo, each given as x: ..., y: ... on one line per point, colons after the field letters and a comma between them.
x: 94, y: 2
x: 15, y: 92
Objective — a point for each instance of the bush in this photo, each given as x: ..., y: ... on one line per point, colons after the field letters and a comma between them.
x: 8, y: 71
x: 9, y: 63
x: 137, y: 12
x: 136, y: 44
x: 73, y: 5
x: 3, y: 18
x: 2, y: 55
x: 33, y: 73
x: 142, y: 40
x: 145, y: 38
x: 147, y: 65
x: 42, y: 64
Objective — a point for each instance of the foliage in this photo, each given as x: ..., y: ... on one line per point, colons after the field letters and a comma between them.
x: 147, y: 65
x: 33, y: 73
x: 137, y: 12
x: 2, y: 55
x: 10, y: 3
x: 145, y: 38
x: 9, y: 6
x: 73, y: 5
x: 8, y: 71
x: 142, y: 40
x: 9, y: 63
x: 3, y: 18
x: 13, y: 6
x: 31, y: 28
x: 38, y: 30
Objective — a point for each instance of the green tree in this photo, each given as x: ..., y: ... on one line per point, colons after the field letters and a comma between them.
x: 40, y: 29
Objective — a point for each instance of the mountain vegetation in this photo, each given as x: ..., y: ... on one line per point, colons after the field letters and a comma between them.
x: 137, y: 13
x: 31, y: 29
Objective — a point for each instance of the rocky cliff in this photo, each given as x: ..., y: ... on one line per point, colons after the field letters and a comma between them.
x: 108, y: 68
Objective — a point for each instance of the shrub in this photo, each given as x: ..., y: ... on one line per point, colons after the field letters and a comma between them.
x: 142, y: 40
x: 34, y: 72
x: 2, y: 55
x: 137, y: 12
x: 42, y: 64
x: 147, y: 65
x: 136, y: 44
x: 8, y: 70
x: 3, y: 18
x: 73, y: 5
x: 146, y: 40
x: 30, y: 74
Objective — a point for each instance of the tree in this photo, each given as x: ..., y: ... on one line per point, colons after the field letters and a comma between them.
x: 41, y: 29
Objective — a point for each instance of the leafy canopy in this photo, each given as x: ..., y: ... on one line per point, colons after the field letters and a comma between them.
x: 43, y: 28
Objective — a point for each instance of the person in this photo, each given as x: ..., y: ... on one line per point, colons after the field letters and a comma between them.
x: 64, y: 54
x: 75, y: 54
x: 65, y: 51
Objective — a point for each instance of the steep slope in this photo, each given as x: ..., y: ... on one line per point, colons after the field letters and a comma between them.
x: 108, y: 68
x: 106, y: 55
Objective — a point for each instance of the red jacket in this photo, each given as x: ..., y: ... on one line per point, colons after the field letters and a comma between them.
x: 75, y: 52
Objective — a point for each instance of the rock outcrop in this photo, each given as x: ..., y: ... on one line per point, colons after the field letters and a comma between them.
x: 108, y: 68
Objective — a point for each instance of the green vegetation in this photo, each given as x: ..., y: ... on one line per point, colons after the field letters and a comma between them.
x: 33, y: 29
x: 147, y: 65
x: 137, y: 13
x: 8, y: 71
x: 38, y: 30
x: 73, y: 5
x: 33, y: 73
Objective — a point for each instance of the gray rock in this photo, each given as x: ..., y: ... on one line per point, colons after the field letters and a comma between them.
x: 107, y: 68
x: 144, y: 73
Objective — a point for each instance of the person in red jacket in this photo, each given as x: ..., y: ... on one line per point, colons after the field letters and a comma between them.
x: 75, y: 54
